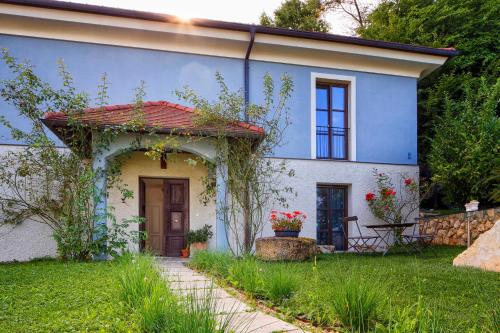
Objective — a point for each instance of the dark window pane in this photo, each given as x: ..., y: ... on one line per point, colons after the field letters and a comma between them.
x: 322, y: 98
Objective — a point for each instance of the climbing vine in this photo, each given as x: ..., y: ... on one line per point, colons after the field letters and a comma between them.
x: 247, y: 175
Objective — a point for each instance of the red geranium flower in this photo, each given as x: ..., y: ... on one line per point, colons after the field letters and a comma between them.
x: 408, y: 181
x: 296, y: 212
x: 369, y: 196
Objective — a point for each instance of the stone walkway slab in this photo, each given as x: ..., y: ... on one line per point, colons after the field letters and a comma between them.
x: 240, y: 317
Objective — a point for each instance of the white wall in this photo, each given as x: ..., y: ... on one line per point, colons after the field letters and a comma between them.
x: 358, y: 177
x: 28, y: 240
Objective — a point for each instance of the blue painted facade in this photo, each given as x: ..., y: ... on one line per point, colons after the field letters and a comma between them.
x: 386, y: 120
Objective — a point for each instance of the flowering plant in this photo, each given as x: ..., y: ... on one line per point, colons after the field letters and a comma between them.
x: 285, y: 221
x: 390, y: 204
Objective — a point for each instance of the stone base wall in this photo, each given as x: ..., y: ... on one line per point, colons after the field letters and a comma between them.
x: 452, y: 229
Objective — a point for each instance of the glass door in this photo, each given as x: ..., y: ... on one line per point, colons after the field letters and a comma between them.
x: 331, y: 207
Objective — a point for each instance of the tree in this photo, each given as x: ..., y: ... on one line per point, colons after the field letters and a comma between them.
x: 306, y: 15
x: 442, y: 23
x: 357, y: 10
x: 465, y: 152
x: 251, y: 178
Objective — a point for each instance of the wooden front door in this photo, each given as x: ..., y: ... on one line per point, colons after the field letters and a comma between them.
x: 177, y: 215
x: 154, y: 208
x: 165, y: 206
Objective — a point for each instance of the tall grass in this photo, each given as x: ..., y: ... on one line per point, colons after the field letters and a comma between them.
x: 158, y: 309
x: 279, y: 284
x: 246, y: 274
x: 355, y: 303
x: 137, y: 279
x: 275, y: 284
x: 213, y: 262
x: 417, y: 318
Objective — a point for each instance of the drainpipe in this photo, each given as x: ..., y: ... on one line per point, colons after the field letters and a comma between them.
x: 247, y: 70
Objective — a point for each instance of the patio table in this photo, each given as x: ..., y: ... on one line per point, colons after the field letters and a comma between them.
x: 385, y: 231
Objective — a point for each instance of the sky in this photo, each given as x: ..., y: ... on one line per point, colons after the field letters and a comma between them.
x: 244, y: 11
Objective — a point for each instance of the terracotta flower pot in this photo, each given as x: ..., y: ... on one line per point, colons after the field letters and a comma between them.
x: 185, y: 253
x: 198, y: 247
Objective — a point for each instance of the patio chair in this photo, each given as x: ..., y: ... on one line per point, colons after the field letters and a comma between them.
x: 359, y: 243
x: 421, y: 238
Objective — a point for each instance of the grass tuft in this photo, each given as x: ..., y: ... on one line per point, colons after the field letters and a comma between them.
x: 138, y: 280
x: 416, y: 318
x: 280, y: 284
x: 246, y: 274
x: 213, y: 262
x: 355, y: 303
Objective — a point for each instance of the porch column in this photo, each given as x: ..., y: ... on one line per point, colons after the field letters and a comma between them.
x: 221, y: 204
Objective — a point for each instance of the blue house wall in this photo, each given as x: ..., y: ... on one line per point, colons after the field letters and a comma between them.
x: 386, y: 116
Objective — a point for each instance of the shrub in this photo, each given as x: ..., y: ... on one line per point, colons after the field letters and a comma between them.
x: 201, y: 235
x: 355, y: 303
x: 216, y: 263
x: 279, y: 285
x: 246, y: 274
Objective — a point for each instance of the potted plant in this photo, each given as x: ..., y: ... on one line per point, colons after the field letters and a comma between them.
x: 287, y: 224
x: 197, y: 239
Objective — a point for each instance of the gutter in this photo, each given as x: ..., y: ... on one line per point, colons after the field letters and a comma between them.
x: 246, y: 71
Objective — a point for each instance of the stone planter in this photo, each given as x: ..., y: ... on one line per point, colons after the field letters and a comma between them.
x: 197, y: 247
x: 286, y: 233
x: 285, y: 248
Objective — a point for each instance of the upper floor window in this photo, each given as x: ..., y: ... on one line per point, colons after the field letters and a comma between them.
x: 331, y: 120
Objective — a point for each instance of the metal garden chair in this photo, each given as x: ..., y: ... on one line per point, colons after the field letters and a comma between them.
x: 421, y: 238
x: 360, y: 243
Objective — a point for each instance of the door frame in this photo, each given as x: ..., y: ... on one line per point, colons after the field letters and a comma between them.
x: 345, y: 227
x: 142, y: 208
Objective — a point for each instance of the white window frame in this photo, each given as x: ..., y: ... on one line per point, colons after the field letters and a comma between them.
x: 351, y: 111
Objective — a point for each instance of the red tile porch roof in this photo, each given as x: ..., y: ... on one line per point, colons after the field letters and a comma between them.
x: 163, y: 116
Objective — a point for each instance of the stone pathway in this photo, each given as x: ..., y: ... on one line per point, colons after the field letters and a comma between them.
x: 241, y: 317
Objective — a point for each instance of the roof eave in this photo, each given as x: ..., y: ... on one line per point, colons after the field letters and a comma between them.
x: 141, y: 15
x: 53, y: 124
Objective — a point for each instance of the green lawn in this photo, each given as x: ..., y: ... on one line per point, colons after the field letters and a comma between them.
x: 460, y: 299
x: 51, y: 296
